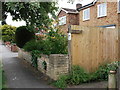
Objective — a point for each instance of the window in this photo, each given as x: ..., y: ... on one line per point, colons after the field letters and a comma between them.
x: 86, y: 14
x: 62, y: 20
x: 118, y: 6
x: 102, y: 10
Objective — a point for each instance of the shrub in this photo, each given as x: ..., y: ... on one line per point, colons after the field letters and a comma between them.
x: 53, y: 44
x: 58, y: 42
x: 79, y: 75
x: 103, y: 71
x: 32, y: 45
x: 43, y: 46
x: 75, y: 77
x: 24, y: 34
x: 61, y: 82
x: 8, y: 33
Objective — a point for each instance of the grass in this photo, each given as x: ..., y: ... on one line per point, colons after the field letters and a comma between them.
x: 2, y: 78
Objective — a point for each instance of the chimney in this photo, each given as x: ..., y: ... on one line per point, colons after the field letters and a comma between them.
x: 78, y: 6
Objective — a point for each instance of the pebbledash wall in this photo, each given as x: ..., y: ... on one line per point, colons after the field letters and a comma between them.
x: 57, y: 64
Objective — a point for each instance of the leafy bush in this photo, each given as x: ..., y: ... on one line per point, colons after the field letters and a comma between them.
x: 43, y: 46
x: 53, y: 44
x: 79, y: 75
x: 58, y: 42
x: 24, y: 34
x: 103, y: 71
x: 8, y: 33
x: 61, y: 82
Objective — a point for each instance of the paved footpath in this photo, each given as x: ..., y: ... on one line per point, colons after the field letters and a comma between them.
x: 17, y: 73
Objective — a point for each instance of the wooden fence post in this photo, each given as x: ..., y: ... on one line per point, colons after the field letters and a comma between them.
x: 69, y: 47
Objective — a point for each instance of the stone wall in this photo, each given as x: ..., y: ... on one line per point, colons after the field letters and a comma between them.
x: 56, y: 64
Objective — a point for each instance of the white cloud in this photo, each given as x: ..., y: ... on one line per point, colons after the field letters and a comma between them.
x: 9, y: 21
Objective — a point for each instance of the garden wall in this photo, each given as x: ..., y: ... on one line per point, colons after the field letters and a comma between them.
x: 56, y: 64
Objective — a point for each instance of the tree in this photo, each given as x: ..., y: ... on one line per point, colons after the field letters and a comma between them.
x: 34, y: 13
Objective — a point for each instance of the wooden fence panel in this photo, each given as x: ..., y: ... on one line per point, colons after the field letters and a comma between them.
x: 94, y: 46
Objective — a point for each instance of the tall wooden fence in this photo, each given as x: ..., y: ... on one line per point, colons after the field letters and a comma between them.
x: 93, y: 46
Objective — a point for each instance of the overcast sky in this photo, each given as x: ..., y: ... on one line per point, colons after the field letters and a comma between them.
x: 62, y: 3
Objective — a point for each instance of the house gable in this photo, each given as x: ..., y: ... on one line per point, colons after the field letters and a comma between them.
x: 110, y: 18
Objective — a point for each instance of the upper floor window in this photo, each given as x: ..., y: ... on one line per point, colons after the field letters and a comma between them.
x: 86, y: 14
x: 62, y: 20
x: 118, y: 6
x: 102, y: 10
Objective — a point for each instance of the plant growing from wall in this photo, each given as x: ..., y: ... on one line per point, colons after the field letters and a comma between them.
x: 8, y: 33
x: 35, y: 54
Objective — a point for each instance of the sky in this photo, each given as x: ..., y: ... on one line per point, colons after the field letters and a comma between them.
x: 61, y: 3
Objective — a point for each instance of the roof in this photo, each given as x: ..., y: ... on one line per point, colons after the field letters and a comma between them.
x: 67, y: 10
x: 88, y: 5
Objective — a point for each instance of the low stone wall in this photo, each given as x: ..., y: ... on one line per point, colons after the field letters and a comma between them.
x: 56, y: 64
x: 25, y: 55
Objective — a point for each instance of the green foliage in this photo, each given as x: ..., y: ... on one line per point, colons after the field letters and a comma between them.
x: 53, y: 44
x: 79, y: 75
x: 8, y: 33
x: 61, y: 82
x: 41, y: 45
x: 103, y: 71
x: 58, y: 42
x: 34, y: 13
x: 24, y: 34
x: 35, y: 54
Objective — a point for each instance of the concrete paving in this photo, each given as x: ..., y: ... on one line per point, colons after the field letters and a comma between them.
x: 17, y: 73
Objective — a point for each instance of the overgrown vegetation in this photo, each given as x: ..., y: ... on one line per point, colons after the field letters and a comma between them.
x: 35, y: 54
x: 2, y: 78
x: 8, y: 33
x: 53, y: 43
x: 79, y: 75
x: 24, y: 34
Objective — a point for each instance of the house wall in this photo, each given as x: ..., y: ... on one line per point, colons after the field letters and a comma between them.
x: 63, y: 28
x: 72, y: 19
x: 111, y: 18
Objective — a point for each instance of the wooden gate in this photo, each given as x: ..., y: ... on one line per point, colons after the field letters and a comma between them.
x: 93, y: 46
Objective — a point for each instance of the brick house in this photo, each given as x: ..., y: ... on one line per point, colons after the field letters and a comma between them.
x: 100, y: 13
x: 67, y: 17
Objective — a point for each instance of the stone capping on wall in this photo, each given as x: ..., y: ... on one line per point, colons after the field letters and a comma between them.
x: 57, y: 64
